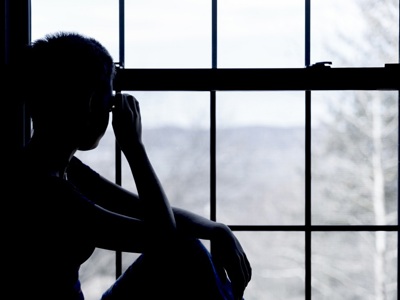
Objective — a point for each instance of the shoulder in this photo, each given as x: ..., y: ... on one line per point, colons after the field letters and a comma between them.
x: 76, y: 168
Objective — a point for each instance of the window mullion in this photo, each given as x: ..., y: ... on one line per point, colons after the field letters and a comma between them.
x: 118, y: 155
x: 213, y: 129
x: 308, y: 250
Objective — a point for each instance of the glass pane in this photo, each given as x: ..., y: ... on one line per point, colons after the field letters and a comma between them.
x: 366, y: 33
x: 354, y: 158
x: 260, y: 34
x: 363, y: 267
x: 260, y: 157
x: 167, y: 34
x: 176, y: 136
x: 97, y: 274
x: 94, y: 18
x: 277, y: 260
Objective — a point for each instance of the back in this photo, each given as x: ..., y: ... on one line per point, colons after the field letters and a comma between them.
x: 48, y: 235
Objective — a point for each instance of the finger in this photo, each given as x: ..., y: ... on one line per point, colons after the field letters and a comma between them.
x: 120, y: 105
x: 241, y: 276
x: 134, y: 103
x: 137, y: 106
x: 246, y: 269
x: 218, y: 266
x: 220, y: 272
x: 129, y: 101
x: 238, y: 284
x: 238, y: 293
x: 249, y: 269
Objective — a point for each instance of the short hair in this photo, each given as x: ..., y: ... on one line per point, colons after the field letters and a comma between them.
x: 65, y: 64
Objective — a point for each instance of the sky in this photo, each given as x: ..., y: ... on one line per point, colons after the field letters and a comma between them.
x: 177, y: 34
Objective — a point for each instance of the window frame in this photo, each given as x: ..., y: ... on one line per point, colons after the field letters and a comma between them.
x: 313, y: 77
x: 319, y: 76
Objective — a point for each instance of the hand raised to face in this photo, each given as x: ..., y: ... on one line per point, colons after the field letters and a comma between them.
x: 126, y: 120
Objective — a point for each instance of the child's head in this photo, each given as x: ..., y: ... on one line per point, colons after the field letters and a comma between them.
x: 69, y: 80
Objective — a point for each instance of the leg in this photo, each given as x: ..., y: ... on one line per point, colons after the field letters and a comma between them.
x: 183, y: 271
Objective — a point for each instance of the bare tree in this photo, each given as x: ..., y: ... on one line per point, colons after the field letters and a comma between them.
x: 356, y: 150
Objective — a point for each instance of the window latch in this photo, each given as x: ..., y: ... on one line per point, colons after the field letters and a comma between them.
x: 321, y: 65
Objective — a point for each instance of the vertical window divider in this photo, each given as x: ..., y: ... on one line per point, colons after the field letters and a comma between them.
x: 398, y: 182
x: 308, y: 225
x: 118, y: 155
x: 398, y: 164
x: 308, y: 286
x: 213, y: 171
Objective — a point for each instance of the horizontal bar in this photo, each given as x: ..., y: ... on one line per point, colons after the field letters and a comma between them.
x: 290, y: 79
x: 315, y: 227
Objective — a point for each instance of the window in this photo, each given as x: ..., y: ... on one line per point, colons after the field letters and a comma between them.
x: 243, y: 126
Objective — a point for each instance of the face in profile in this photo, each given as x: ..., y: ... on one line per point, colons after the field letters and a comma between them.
x: 99, y: 116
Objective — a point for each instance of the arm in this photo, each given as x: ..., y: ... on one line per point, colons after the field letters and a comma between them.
x: 102, y: 191
x: 110, y: 230
x: 157, y: 213
x: 227, y: 252
x: 152, y: 203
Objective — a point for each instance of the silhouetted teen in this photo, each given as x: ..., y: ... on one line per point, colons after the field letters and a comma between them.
x: 61, y: 210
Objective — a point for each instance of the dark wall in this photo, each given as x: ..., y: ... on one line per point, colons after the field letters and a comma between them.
x: 15, y: 34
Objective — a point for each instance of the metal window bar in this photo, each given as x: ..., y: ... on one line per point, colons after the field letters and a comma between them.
x: 317, y: 77
x: 213, y: 118
x: 307, y: 154
x: 118, y: 154
x: 398, y: 165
